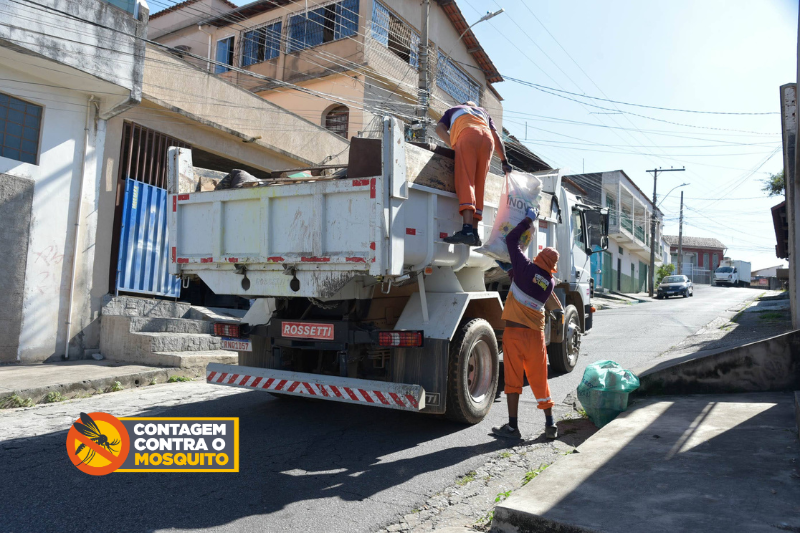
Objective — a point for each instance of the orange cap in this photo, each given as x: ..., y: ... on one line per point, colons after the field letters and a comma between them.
x: 547, y: 259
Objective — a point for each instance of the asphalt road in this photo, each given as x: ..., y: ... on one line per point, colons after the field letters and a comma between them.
x: 305, y: 466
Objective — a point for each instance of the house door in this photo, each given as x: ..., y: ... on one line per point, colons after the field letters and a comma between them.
x: 633, y: 287
x: 643, y: 271
x: 619, y: 274
x: 608, y: 268
x: 141, y: 242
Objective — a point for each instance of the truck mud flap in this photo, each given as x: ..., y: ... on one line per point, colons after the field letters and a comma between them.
x: 400, y: 396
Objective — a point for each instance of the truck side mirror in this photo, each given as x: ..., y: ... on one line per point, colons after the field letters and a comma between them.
x: 596, y: 224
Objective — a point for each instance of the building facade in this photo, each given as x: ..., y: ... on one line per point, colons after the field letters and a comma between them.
x: 699, y: 253
x: 624, y: 267
x: 87, y: 109
x: 225, y: 126
x: 666, y: 258
x: 768, y: 272
x: 342, y: 64
x: 66, y: 70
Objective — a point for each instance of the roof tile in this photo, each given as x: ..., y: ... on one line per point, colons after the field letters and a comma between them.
x: 695, y: 242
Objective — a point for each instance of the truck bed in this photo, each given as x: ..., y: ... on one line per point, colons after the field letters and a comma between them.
x: 326, y: 237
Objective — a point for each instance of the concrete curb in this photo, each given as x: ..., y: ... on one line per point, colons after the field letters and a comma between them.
x: 127, y: 380
x: 518, y: 521
x: 771, y: 364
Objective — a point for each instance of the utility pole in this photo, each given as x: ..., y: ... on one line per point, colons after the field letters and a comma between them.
x: 423, y: 90
x: 652, y: 276
x: 680, y: 239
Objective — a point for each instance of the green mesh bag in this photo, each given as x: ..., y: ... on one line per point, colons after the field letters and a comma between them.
x: 604, y: 390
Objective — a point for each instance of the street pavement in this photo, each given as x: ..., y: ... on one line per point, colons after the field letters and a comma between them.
x: 305, y: 465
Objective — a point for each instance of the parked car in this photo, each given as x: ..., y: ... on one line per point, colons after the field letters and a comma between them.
x: 675, y: 286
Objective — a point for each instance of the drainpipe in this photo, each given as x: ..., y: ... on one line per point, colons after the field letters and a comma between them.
x: 208, y: 63
x: 78, y: 217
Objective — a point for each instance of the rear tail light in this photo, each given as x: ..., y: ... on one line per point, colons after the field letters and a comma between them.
x: 221, y: 329
x: 400, y: 338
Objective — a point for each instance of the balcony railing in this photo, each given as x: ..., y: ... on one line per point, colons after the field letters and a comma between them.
x: 627, y: 222
x: 639, y: 233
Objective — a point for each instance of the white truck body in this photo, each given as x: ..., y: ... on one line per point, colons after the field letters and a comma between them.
x: 733, y: 273
x: 310, y: 251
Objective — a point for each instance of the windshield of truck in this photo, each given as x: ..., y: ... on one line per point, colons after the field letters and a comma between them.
x: 724, y: 270
x: 673, y: 279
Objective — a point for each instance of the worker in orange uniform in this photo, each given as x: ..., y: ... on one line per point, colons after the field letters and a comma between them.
x: 524, y: 349
x: 471, y: 132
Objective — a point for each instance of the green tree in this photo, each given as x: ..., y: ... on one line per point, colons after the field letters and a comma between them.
x: 774, y: 185
x: 664, y: 271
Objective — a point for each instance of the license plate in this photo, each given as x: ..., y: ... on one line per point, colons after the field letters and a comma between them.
x: 237, y: 345
x: 307, y: 330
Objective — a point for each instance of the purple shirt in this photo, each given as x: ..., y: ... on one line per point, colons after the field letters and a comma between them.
x: 454, y: 112
x: 533, y: 280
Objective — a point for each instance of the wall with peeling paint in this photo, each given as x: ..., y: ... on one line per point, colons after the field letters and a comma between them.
x: 74, y: 58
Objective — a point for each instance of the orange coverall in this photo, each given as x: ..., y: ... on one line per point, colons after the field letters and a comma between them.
x: 474, y: 150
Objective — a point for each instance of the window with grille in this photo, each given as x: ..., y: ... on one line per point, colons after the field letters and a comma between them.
x: 261, y: 44
x: 322, y: 25
x: 20, y: 124
x: 394, y: 34
x: 337, y: 119
x: 224, y: 55
x: 455, y: 82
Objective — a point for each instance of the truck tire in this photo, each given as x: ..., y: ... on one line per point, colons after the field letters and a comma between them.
x: 564, y: 355
x: 472, y: 374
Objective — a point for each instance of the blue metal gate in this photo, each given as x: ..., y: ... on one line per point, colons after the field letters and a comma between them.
x: 144, y: 243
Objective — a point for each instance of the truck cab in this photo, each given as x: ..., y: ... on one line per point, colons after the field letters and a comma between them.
x: 732, y: 273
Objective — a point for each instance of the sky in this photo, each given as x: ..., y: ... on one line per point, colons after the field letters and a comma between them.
x: 724, y: 56
x: 721, y: 56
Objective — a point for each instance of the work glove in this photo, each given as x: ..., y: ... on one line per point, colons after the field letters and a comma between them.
x: 505, y: 266
x: 531, y: 213
x: 507, y: 169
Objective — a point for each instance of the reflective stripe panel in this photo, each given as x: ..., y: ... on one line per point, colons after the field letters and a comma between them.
x: 365, y: 392
x: 524, y: 299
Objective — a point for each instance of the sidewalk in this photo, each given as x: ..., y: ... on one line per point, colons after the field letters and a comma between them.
x: 712, y: 463
x: 764, y: 316
x: 70, y: 379
x: 614, y: 300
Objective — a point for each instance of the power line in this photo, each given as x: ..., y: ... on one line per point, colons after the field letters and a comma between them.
x: 539, y: 86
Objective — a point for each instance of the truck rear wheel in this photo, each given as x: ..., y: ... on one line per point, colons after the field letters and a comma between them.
x: 564, y: 355
x: 473, y: 370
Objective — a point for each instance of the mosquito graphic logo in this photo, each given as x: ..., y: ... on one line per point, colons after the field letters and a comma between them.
x: 97, y: 444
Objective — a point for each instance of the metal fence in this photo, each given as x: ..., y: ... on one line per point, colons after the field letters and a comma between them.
x: 699, y: 276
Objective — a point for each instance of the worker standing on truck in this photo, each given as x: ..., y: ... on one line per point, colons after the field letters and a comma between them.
x: 524, y: 350
x: 471, y: 132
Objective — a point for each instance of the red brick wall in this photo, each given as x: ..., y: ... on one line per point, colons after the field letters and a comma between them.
x: 700, y: 251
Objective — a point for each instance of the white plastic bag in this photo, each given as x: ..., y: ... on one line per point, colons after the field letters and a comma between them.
x: 520, y: 191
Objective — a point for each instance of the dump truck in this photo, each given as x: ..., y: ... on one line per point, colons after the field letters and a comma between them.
x: 355, y: 296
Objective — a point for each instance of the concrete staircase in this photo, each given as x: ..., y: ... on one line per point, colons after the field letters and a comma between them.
x: 162, y: 333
